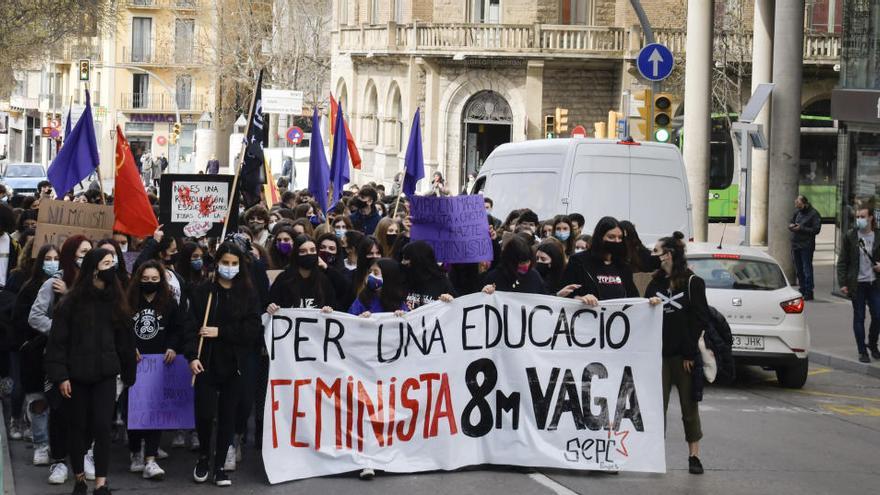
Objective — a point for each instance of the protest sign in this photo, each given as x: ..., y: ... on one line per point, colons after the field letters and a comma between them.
x: 512, y: 379
x: 162, y: 396
x: 194, y: 205
x: 58, y: 220
x: 456, y: 227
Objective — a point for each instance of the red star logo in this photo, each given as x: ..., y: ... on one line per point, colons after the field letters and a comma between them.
x: 623, y: 435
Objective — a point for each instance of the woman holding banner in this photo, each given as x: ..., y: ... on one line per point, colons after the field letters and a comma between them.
x: 602, y: 272
x: 89, y: 345
x: 73, y: 251
x: 304, y: 283
x: 159, y: 326
x: 232, y: 327
x: 685, y: 316
x: 426, y: 282
x: 514, y: 272
x: 331, y: 252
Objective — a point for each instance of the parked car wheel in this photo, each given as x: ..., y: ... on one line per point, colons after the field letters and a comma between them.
x: 795, y: 375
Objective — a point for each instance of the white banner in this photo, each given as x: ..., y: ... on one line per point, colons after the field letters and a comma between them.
x: 282, y: 101
x: 514, y: 379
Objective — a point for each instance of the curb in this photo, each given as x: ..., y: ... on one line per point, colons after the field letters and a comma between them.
x: 838, y: 362
x: 6, y: 477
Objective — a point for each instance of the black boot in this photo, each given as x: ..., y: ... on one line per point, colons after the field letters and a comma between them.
x: 694, y: 465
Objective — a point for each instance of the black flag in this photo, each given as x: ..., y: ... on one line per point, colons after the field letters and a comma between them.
x: 252, y: 175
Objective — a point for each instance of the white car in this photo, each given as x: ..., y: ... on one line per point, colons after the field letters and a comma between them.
x: 765, y: 314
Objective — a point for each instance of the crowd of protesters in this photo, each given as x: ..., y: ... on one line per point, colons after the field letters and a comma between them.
x: 80, y: 317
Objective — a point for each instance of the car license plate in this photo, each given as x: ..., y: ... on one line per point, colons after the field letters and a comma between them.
x: 748, y: 342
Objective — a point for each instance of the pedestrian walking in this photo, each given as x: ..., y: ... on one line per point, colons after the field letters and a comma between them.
x: 685, y: 317
x: 228, y: 338
x: 857, y: 268
x: 805, y: 226
x: 89, y: 345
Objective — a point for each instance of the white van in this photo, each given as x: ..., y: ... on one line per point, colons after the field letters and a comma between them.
x: 644, y: 183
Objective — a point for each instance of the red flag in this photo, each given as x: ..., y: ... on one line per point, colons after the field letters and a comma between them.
x: 132, y: 209
x: 352, y: 147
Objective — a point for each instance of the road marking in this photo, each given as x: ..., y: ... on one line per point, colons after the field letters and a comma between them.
x: 847, y: 410
x: 557, y: 488
x: 837, y: 396
x: 817, y: 371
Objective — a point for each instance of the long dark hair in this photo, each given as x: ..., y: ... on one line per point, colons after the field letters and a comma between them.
x: 422, y: 263
x: 513, y: 252
x: 553, y: 249
x: 293, y: 284
x: 340, y: 252
x: 634, y: 246
x: 121, y: 269
x: 37, y: 276
x: 163, y: 295
x: 67, y: 258
x: 84, y: 288
x: 364, y: 264
x: 569, y: 243
x: 598, y: 249
x: 393, y: 291
x: 183, y: 267
x: 242, y: 286
x: 680, y: 273
x: 278, y: 260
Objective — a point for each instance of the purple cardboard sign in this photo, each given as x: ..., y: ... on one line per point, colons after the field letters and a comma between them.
x: 162, y: 396
x: 457, y: 227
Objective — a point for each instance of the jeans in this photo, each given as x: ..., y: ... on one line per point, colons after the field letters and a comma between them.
x: 39, y: 420
x: 803, y: 264
x: 866, y: 293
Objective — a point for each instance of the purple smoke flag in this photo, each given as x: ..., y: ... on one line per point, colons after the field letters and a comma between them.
x: 414, y: 162
x: 319, y: 170
x: 78, y: 158
x: 339, y: 159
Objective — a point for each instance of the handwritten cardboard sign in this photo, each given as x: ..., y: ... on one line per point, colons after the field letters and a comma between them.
x: 193, y: 205
x: 162, y: 396
x: 58, y: 220
x: 456, y: 227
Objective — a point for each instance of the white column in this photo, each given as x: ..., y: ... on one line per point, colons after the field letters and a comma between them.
x: 785, y: 127
x: 535, y: 99
x: 698, y: 107
x: 762, y: 72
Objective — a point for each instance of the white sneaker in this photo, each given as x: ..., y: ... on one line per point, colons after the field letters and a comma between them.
x: 89, y: 465
x: 41, y: 455
x: 137, y: 463
x: 229, y: 465
x: 15, y: 430
x: 179, y: 440
x: 161, y: 454
x: 152, y: 471
x: 58, y: 473
x: 194, y: 441
x: 367, y: 474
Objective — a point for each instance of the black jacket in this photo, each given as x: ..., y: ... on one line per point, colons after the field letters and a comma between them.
x: 528, y: 283
x: 427, y: 291
x: 685, y: 315
x: 848, y: 260
x: 239, y: 328
x: 86, y: 345
x: 157, y: 331
x: 583, y: 269
x: 810, y: 225
x: 290, y: 290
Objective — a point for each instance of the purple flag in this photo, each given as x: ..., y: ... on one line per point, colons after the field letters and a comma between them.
x: 162, y: 396
x: 414, y: 162
x: 339, y: 159
x: 319, y: 178
x: 78, y: 156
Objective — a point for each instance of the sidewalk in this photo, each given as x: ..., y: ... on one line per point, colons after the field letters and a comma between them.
x: 829, y: 316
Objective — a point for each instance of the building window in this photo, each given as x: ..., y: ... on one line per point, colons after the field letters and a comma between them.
x: 187, y: 140
x: 398, y: 11
x: 374, y: 11
x: 343, y: 12
x: 576, y: 12
x: 395, y: 136
x: 140, y: 91
x: 824, y: 16
x: 141, y: 39
x: 371, y: 117
x: 184, y: 92
x: 184, y: 33
x: 143, y: 127
x: 486, y: 11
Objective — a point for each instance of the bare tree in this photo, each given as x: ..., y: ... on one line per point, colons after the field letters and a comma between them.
x: 731, y: 74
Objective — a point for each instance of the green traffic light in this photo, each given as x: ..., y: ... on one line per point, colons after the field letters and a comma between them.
x: 662, y: 135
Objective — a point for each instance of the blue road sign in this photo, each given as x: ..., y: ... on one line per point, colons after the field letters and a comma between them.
x: 655, y: 62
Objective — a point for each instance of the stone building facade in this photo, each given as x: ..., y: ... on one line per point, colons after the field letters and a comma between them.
x: 486, y: 72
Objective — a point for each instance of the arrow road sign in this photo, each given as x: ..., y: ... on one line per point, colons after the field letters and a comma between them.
x: 655, y: 62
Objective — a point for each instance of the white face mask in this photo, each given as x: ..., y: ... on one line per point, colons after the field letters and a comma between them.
x: 123, y: 248
x: 861, y: 223
x: 579, y: 250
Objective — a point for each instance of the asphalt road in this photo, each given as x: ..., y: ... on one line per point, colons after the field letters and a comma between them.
x: 759, y: 438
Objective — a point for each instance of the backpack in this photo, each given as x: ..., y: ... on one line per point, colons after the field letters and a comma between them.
x: 719, y: 340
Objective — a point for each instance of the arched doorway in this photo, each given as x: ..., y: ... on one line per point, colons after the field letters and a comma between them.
x: 487, y: 123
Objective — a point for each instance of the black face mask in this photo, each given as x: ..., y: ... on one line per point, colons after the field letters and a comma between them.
x: 308, y: 261
x: 616, y: 249
x: 150, y: 287
x: 171, y: 260
x: 543, y: 269
x: 107, y: 276
x: 391, y: 238
x: 328, y: 257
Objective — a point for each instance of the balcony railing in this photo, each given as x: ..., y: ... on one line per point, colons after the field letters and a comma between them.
x: 544, y: 40
x: 162, y: 102
x: 194, y: 56
x: 166, y: 4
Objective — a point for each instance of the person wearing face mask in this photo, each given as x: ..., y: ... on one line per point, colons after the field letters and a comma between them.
x: 71, y: 257
x: 564, y: 233
x: 514, y: 272
x: 858, y: 267
x: 303, y: 284
x: 685, y: 317
x: 190, y: 267
x: 257, y: 219
x: 228, y: 339
x: 31, y: 344
x: 550, y: 264
x: 341, y: 225
x: 602, y: 272
x: 367, y: 217
x: 388, y: 234
x: 804, y: 227
x: 123, y: 240
x: 118, y: 259
x: 426, y: 282
x: 368, y: 251
x: 281, y: 247
x: 90, y: 343
x: 382, y: 291
x: 331, y: 252
x: 159, y: 326
x: 582, y: 243
x: 350, y: 242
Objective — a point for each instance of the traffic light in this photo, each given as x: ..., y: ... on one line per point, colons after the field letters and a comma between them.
x: 646, y: 125
x: 85, y: 67
x: 561, y: 120
x: 662, y: 117
x: 549, y: 126
x: 175, y: 133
